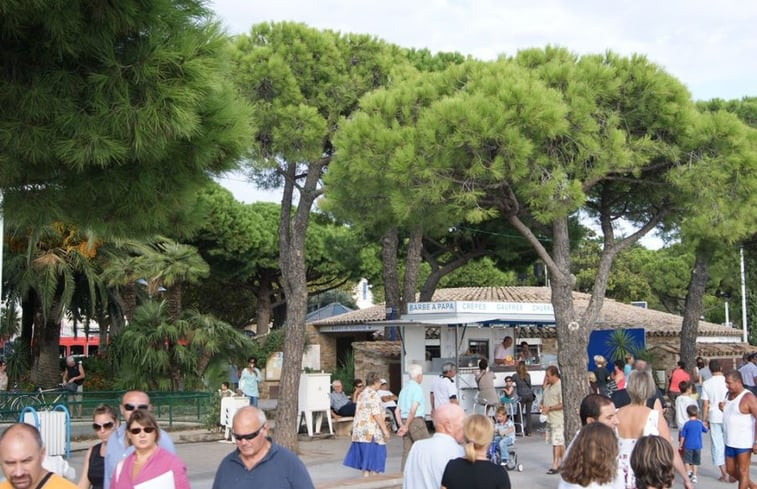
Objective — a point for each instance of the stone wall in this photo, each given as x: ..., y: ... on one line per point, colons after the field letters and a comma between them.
x: 375, y: 356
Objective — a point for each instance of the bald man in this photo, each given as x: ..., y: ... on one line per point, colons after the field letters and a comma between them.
x: 258, y: 461
x: 21, y: 455
x: 428, y: 458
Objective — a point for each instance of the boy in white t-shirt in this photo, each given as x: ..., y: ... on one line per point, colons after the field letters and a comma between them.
x: 504, y: 433
x: 683, y: 401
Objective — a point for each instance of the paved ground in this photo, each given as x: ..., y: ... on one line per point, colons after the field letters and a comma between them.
x: 324, y: 461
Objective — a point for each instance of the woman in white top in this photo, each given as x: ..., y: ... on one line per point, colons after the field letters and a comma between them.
x: 636, y: 420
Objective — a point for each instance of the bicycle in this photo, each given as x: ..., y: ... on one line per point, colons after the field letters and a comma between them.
x: 39, y: 399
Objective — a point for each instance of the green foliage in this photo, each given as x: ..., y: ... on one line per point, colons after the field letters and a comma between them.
x: 621, y: 343
x: 341, y: 296
x: 18, y: 364
x: 129, y: 106
x: 479, y: 273
x: 264, y: 346
x: 345, y: 371
x: 152, y: 350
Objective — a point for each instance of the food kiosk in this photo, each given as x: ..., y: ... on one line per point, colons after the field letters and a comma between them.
x: 462, y: 332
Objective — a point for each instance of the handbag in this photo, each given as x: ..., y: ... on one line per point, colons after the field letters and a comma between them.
x: 71, y: 387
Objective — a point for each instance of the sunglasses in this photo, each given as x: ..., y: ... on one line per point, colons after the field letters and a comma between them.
x: 105, y: 426
x: 248, y: 436
x: 132, y: 407
x: 146, y: 429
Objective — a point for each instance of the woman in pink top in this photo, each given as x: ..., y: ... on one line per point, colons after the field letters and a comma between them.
x: 619, y: 377
x: 148, y: 466
x: 678, y: 375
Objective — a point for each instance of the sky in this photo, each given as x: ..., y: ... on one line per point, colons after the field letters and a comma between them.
x: 709, y: 46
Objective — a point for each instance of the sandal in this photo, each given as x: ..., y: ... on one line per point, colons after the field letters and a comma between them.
x: 552, y: 471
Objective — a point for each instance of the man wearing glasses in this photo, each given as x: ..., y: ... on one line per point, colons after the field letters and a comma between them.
x: 257, y: 460
x: 116, y: 449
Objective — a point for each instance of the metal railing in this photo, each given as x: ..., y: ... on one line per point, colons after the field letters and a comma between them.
x: 167, y: 407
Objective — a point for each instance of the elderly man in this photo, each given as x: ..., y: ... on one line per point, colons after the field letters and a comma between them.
x: 428, y: 458
x: 503, y: 350
x: 341, y: 405
x: 257, y: 460
x: 411, y: 405
x: 551, y: 406
x: 714, y: 391
x: 21, y: 455
x: 444, y: 390
x: 739, y: 413
x: 116, y: 449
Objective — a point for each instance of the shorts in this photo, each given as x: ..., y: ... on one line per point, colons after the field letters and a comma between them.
x: 556, y: 434
x: 732, y: 452
x: 692, y: 456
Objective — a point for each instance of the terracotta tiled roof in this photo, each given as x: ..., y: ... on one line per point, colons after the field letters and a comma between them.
x: 712, y: 350
x: 613, y: 315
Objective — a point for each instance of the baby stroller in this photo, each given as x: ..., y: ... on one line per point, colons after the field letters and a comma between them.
x: 494, y: 456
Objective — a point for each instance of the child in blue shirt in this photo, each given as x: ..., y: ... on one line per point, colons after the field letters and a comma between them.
x: 504, y: 433
x: 690, y: 438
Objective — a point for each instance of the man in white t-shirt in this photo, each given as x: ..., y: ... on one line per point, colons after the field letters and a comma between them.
x: 714, y: 391
x: 503, y: 350
x: 444, y: 390
x: 389, y: 402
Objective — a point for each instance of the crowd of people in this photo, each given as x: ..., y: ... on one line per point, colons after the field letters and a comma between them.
x: 624, y: 443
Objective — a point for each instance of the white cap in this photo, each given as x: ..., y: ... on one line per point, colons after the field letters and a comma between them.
x: 383, y: 381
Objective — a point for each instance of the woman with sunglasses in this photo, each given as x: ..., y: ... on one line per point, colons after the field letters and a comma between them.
x: 104, y: 421
x: 148, y: 464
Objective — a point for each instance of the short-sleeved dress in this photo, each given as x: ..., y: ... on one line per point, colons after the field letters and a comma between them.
x: 625, y: 445
x: 368, y: 448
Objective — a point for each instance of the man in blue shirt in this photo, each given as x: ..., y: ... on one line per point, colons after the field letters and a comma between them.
x: 116, y: 449
x: 412, y: 407
x: 258, y: 461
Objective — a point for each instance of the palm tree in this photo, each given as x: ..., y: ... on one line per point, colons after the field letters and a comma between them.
x: 46, y: 265
x: 170, y: 265
x: 157, y: 353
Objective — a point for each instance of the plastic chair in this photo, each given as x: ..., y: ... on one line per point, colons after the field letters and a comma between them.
x: 489, y: 407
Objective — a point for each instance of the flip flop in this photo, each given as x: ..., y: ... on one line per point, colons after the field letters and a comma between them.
x: 552, y: 471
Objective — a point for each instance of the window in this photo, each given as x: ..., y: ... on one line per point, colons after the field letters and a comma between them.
x: 478, y: 347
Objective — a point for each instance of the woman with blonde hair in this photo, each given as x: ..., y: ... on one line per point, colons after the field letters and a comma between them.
x: 652, y: 462
x: 475, y: 471
x: 636, y: 420
x: 592, y: 460
x: 602, y: 374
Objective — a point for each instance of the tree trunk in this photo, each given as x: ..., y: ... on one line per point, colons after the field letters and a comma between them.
x: 173, y: 299
x: 391, y: 278
x: 263, y: 305
x: 46, y: 371
x: 437, y: 272
x: 390, y: 272
x: 292, y: 231
x: 28, y: 310
x: 130, y: 300
x: 572, y: 336
x: 693, y: 309
x: 412, y: 267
